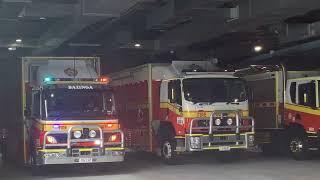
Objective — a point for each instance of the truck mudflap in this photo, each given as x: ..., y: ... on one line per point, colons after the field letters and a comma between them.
x: 239, y: 136
x: 101, y: 152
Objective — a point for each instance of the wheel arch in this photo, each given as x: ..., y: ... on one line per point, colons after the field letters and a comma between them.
x: 166, y: 129
x: 296, y: 128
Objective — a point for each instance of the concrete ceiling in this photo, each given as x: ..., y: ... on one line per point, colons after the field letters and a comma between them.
x: 198, y: 29
x: 44, y: 25
x: 165, y: 29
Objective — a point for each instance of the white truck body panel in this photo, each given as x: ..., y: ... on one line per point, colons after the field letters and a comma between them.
x: 36, y: 69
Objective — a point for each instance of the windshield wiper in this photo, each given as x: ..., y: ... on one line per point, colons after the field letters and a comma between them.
x: 232, y: 102
x: 203, y: 102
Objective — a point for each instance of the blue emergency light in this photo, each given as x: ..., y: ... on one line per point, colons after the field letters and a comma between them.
x: 103, y: 79
x: 47, y: 79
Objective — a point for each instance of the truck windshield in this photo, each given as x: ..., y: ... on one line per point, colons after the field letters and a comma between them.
x: 214, y: 90
x: 62, y: 104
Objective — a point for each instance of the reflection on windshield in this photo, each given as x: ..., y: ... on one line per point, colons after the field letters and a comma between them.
x: 77, y: 104
x: 214, y: 90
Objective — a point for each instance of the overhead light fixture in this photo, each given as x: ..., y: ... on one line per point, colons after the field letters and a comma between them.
x: 12, y: 48
x: 172, y: 52
x: 18, y: 40
x: 42, y: 18
x: 258, y: 48
x: 137, y: 45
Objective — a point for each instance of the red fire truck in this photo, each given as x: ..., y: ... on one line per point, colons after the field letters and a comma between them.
x: 69, y: 113
x: 285, y: 105
x: 182, y: 107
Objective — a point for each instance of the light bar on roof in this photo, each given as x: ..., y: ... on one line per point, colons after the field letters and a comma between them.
x: 104, y: 79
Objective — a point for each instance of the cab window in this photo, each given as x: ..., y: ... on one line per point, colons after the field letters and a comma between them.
x: 293, y: 92
x: 174, y: 92
x: 307, y: 94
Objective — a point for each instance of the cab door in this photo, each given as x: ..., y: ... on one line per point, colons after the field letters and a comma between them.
x: 308, y: 105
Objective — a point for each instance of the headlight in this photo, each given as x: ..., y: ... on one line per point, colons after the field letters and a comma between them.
x: 217, y: 122
x: 51, y: 140
x: 229, y: 121
x: 195, y: 142
x: 92, y: 133
x: 97, y: 142
x: 77, y: 134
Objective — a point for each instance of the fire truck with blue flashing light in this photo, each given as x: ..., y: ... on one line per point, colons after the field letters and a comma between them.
x: 69, y: 113
x: 172, y: 109
x: 285, y: 105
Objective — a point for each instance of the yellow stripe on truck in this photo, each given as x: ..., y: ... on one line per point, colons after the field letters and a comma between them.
x: 302, y: 109
x: 194, y: 114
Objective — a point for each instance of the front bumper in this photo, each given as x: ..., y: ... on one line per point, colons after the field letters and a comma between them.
x: 221, y: 142
x: 69, y: 154
x: 76, y: 156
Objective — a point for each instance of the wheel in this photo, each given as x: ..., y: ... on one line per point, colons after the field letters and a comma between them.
x: 298, y: 147
x: 168, y: 153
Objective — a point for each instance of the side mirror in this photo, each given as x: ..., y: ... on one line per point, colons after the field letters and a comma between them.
x: 27, y: 113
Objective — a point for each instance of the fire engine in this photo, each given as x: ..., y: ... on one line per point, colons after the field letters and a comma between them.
x: 69, y: 112
x: 285, y: 105
x: 171, y: 109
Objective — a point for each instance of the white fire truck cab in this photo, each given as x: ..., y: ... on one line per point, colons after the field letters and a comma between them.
x: 182, y: 107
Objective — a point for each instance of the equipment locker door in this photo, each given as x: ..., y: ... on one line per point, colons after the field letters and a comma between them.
x: 263, y: 103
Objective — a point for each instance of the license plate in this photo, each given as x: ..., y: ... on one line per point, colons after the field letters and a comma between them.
x: 224, y: 148
x: 85, y: 160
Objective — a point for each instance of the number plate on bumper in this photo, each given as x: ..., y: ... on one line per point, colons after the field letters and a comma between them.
x: 224, y: 148
x: 85, y: 160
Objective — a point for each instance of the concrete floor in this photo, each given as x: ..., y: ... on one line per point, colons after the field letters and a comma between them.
x: 194, y: 167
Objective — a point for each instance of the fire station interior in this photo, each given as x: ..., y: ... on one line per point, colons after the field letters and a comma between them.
x: 279, y: 39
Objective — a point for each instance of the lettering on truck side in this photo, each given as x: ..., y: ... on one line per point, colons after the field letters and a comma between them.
x: 80, y: 87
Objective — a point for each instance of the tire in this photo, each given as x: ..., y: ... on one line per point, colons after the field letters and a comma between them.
x: 299, y: 148
x: 168, y: 153
x: 168, y: 146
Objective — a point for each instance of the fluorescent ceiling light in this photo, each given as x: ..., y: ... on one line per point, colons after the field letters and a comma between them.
x: 258, y: 48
